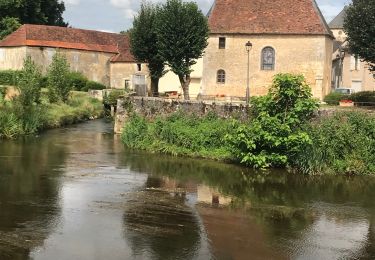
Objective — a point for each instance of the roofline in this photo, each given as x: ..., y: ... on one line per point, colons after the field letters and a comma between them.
x: 322, y: 19
x: 257, y: 34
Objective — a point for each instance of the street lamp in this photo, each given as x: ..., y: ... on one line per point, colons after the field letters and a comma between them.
x: 248, y: 46
x: 342, y: 57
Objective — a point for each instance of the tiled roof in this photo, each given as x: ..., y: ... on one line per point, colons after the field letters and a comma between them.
x: 338, y: 21
x: 70, y: 38
x: 267, y: 17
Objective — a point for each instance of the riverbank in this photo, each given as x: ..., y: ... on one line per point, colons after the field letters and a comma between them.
x: 17, y: 121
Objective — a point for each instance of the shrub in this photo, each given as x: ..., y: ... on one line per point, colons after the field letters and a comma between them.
x: 334, y: 98
x: 364, y: 97
x: 273, y: 136
x: 111, y: 98
x: 59, y: 84
x: 8, y: 77
x: 343, y: 143
x: 78, y: 81
x: 92, y: 85
x: 29, y: 83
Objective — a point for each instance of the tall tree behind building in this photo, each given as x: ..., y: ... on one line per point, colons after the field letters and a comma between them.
x: 46, y: 12
x: 360, y: 27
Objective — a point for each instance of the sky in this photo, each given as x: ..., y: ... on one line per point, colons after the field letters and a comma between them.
x: 117, y: 15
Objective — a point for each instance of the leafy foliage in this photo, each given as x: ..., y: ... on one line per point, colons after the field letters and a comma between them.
x: 343, y: 143
x: 29, y: 83
x: 78, y: 81
x: 144, y: 45
x: 8, y: 25
x: 16, y: 12
x: 59, y: 83
x: 359, y: 26
x: 182, y: 32
x: 274, y: 136
x: 8, y: 77
x: 363, y: 97
x: 93, y: 85
x: 334, y: 98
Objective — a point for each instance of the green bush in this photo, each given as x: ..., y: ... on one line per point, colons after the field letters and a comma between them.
x: 364, y: 97
x: 343, y: 143
x: 78, y: 81
x: 29, y: 84
x: 8, y: 77
x: 59, y: 84
x: 111, y: 98
x: 273, y: 137
x: 334, y: 98
x: 92, y: 85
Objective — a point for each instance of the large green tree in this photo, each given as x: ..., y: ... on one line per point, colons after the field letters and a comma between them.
x: 182, y: 32
x: 360, y: 27
x: 144, y: 44
x: 47, y: 12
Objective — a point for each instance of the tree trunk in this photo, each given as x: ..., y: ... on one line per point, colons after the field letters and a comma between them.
x: 185, y: 83
x: 155, y: 87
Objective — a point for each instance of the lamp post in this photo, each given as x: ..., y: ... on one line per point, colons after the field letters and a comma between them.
x: 342, y: 57
x: 248, y: 46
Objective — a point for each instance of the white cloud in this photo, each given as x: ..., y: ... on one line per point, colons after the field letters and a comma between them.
x: 72, y: 2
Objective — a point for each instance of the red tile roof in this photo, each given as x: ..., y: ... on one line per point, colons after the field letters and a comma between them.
x: 298, y: 17
x: 70, y: 38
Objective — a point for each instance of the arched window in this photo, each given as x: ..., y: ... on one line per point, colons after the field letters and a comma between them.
x: 268, y: 58
x: 221, y: 76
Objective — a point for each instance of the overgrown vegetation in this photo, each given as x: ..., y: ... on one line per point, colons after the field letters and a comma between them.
x: 33, y: 109
x: 180, y: 134
x: 281, y: 132
x: 363, y: 98
x: 8, y: 77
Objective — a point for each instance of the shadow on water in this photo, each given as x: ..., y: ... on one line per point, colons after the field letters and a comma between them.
x: 29, y: 193
x: 328, y: 217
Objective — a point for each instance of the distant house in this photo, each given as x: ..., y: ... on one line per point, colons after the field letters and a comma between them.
x: 348, y: 71
x: 100, y: 56
x: 287, y: 36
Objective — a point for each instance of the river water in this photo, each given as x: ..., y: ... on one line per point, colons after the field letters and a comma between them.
x: 77, y: 193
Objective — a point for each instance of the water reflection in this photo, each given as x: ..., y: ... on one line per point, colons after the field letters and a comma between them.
x: 76, y: 193
x: 29, y: 193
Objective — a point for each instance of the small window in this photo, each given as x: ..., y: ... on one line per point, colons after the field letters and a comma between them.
x: 221, y: 76
x: 268, y: 58
x: 139, y: 65
x: 222, y: 42
x: 127, y: 84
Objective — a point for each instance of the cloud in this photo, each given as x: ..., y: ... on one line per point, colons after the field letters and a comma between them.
x: 72, y: 2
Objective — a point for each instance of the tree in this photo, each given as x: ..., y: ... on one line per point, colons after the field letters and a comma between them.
x: 8, y: 25
x: 46, y: 12
x: 29, y: 83
x: 144, y: 45
x: 359, y: 26
x: 182, y: 32
x: 59, y: 84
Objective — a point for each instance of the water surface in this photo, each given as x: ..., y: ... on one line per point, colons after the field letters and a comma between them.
x: 77, y: 193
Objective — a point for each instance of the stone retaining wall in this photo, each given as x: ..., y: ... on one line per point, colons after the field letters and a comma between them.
x: 152, y: 107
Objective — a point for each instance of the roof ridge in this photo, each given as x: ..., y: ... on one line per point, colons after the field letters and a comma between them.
x: 322, y: 19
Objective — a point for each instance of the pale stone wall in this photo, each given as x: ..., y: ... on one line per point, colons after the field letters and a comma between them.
x: 339, y: 34
x: 11, y: 58
x: 170, y: 81
x: 360, y: 79
x: 307, y: 55
x: 122, y: 71
x: 94, y: 65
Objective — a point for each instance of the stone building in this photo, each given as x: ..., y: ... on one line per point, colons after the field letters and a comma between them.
x: 100, y: 56
x: 348, y: 71
x: 287, y: 36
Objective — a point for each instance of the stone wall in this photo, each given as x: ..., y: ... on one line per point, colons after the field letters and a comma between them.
x: 307, y: 55
x: 152, y: 107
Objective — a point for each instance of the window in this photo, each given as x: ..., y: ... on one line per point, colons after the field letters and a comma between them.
x: 139, y: 67
x: 268, y: 58
x: 127, y: 84
x: 355, y: 63
x: 221, y: 76
x: 222, y: 42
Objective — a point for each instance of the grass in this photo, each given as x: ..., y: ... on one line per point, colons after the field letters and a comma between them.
x: 16, y: 120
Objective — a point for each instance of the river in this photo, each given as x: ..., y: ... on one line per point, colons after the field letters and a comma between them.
x: 77, y: 193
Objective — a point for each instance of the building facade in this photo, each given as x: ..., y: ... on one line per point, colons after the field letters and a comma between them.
x: 348, y: 71
x: 286, y: 37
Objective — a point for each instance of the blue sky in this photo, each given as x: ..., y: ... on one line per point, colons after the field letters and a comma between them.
x: 117, y: 15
